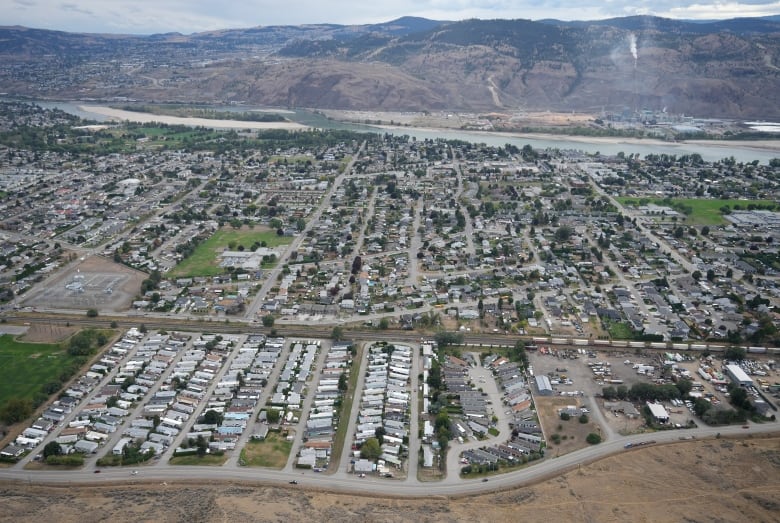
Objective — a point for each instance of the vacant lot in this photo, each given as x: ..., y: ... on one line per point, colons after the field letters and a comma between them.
x: 214, y: 460
x: 273, y: 452
x: 25, y: 367
x: 571, y: 433
x: 47, y: 333
x: 204, y: 261
x: 708, y: 480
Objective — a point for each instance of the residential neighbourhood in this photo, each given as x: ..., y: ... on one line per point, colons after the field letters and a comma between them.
x: 378, y: 306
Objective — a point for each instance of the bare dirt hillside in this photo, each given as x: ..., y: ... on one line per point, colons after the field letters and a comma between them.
x: 701, y: 481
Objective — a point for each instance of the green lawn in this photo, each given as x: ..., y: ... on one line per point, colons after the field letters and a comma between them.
x: 703, y: 212
x: 204, y: 261
x: 213, y: 460
x: 620, y: 331
x: 25, y: 367
x: 273, y: 452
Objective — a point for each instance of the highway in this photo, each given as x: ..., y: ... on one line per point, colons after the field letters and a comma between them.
x: 341, y: 482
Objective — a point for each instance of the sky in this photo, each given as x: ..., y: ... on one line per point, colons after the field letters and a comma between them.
x: 191, y: 16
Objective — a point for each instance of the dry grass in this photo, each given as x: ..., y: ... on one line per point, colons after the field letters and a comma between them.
x: 723, y: 480
x: 572, y: 432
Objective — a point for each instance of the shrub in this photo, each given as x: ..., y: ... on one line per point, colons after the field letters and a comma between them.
x: 593, y: 438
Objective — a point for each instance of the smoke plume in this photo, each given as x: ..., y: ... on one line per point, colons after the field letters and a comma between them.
x: 632, y: 46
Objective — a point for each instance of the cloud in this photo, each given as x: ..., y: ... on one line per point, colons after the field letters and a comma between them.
x: 187, y: 16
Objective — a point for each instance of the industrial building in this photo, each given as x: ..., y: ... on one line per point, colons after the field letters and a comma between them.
x: 658, y: 411
x: 738, y: 376
x: 543, y: 386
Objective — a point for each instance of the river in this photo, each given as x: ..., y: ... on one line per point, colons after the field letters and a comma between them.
x: 710, y: 152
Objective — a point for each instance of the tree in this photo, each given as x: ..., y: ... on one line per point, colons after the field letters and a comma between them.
x: 705, y: 231
x: 684, y: 386
x: 268, y: 321
x: 212, y: 417
x: 203, y: 445
x: 583, y: 418
x: 563, y: 233
x: 445, y: 339
x: 739, y: 398
x: 337, y: 333
x: 52, y: 449
x: 16, y: 410
x: 92, y: 313
x: 343, y: 382
x: 370, y: 449
x: 384, y: 324
x: 734, y: 354
x: 565, y: 416
x: 273, y: 416
x: 696, y: 275
x: 593, y: 438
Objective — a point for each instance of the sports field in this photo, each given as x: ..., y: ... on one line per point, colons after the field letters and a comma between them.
x: 205, y: 262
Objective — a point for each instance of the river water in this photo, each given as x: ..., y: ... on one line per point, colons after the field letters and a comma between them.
x: 710, y: 152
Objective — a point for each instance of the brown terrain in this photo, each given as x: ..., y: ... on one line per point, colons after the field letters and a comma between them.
x: 709, y: 480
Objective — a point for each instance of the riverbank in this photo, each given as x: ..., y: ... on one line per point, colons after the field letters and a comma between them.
x: 132, y: 116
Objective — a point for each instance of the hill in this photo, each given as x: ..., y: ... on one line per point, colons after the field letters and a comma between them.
x: 720, y: 68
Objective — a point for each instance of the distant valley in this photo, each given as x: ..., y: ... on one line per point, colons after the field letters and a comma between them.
x: 728, y: 69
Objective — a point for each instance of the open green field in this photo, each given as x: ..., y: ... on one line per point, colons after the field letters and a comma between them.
x: 204, y: 261
x: 26, y: 367
x: 273, y: 452
x: 702, y: 211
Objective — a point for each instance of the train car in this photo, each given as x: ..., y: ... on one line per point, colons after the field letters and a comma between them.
x: 580, y: 342
x: 601, y: 342
x: 559, y: 341
x: 680, y: 346
x: 620, y: 343
x: 658, y: 344
x: 541, y: 340
x: 698, y: 346
x: 636, y: 344
x: 756, y: 350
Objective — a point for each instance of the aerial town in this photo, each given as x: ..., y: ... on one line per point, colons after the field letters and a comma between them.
x: 374, y: 307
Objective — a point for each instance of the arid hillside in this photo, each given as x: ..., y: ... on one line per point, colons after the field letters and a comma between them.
x: 723, y: 69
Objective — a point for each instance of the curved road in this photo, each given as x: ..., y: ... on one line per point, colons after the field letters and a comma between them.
x: 341, y: 482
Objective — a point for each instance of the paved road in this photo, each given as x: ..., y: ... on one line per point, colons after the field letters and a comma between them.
x: 312, y: 220
x: 547, y: 468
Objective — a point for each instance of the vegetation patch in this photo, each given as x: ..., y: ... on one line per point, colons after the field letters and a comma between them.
x: 272, y: 452
x: 204, y: 259
x: 701, y: 211
x: 214, y: 459
x: 31, y: 372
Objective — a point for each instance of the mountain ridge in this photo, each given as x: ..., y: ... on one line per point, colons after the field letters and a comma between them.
x: 722, y: 68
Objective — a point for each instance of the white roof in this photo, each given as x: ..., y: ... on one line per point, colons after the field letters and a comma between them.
x: 657, y: 410
x: 738, y: 374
